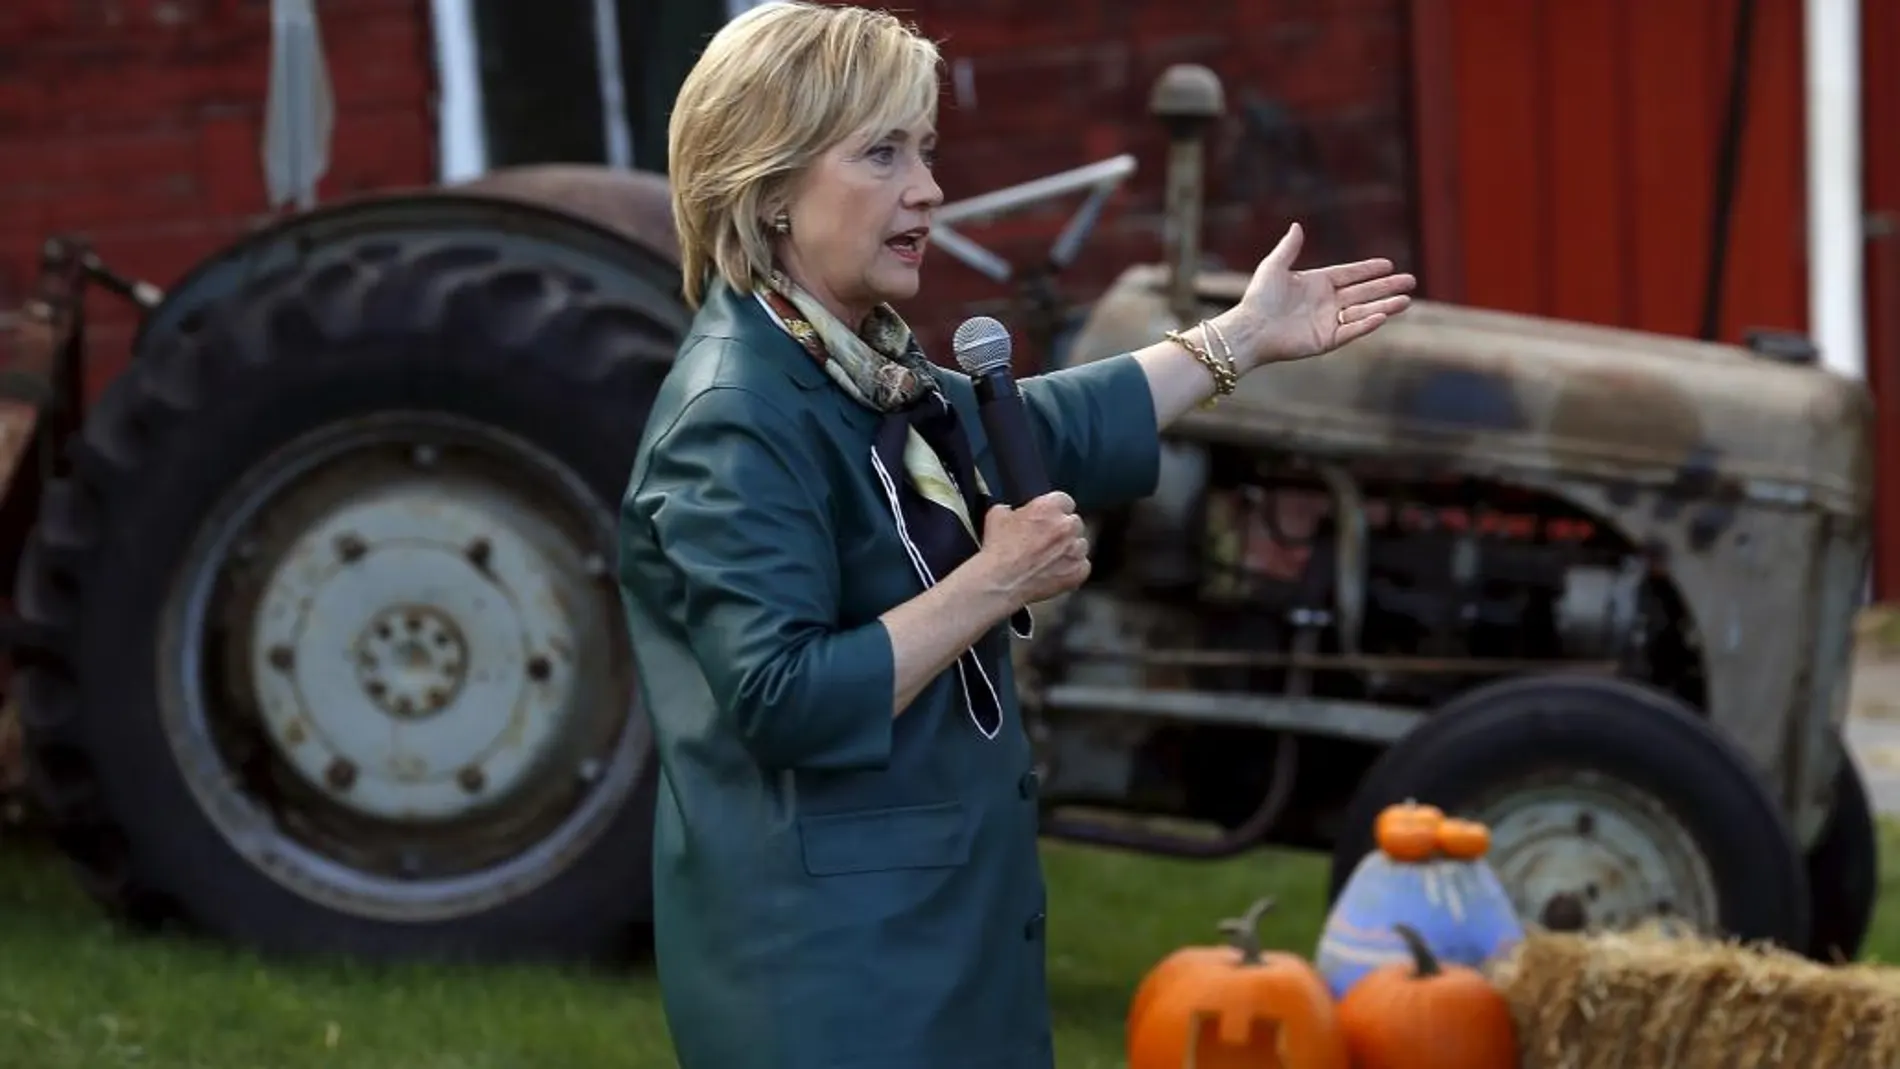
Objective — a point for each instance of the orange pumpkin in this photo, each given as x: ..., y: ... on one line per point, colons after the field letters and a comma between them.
x: 1234, y: 1007
x: 1425, y: 1015
x: 1465, y: 840
x: 1164, y: 976
x: 1408, y: 831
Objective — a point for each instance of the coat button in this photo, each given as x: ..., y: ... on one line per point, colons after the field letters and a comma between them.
x: 1028, y: 784
x: 1032, y: 929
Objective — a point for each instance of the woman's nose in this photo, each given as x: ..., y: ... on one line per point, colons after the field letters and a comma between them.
x: 925, y: 192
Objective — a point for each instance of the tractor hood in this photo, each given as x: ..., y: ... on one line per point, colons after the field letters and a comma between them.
x: 1464, y: 389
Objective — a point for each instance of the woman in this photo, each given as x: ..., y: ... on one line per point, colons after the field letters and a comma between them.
x: 818, y: 586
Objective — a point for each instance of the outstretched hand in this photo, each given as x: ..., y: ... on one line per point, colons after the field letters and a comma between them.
x: 1288, y: 314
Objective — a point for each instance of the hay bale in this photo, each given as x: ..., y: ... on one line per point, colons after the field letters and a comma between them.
x: 1650, y: 1000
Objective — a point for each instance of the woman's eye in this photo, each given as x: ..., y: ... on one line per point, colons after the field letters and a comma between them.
x: 884, y: 153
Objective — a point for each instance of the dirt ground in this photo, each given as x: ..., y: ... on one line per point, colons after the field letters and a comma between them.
x: 1873, y: 722
x: 1873, y: 725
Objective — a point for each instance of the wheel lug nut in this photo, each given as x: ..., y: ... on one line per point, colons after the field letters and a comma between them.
x: 341, y: 774
x: 350, y: 547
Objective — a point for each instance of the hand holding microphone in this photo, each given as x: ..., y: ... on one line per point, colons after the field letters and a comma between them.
x: 1034, y: 542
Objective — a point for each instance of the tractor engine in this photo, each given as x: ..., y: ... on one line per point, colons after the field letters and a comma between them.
x: 1251, y: 576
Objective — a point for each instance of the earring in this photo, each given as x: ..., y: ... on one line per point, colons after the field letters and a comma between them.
x: 783, y: 223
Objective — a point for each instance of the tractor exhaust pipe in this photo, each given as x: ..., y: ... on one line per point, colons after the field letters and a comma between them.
x: 1187, y: 99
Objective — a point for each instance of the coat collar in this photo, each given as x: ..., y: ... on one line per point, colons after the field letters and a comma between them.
x: 739, y: 317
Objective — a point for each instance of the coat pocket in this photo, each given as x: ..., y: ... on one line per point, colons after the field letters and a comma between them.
x: 882, y: 840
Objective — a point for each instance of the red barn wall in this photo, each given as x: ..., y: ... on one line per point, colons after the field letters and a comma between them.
x: 139, y: 124
x: 1880, y: 67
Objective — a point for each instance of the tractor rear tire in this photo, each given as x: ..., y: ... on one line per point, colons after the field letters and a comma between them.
x: 337, y: 664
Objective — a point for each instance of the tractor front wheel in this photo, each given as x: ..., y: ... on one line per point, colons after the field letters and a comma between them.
x: 1611, y: 805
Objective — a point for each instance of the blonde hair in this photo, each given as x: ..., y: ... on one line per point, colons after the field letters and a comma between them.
x: 775, y: 89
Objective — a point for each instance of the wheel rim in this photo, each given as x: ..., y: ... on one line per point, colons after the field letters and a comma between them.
x: 1577, y: 850
x: 394, y: 672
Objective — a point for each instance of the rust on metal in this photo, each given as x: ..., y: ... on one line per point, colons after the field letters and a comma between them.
x: 12, y: 749
x: 635, y: 204
x: 36, y: 333
x: 1473, y: 388
x: 18, y: 422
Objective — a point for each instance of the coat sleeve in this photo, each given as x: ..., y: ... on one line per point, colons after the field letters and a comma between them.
x: 1097, y: 429
x: 733, y: 503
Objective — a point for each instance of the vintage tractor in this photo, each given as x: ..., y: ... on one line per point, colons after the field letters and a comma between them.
x: 1593, y: 587
x: 319, y: 649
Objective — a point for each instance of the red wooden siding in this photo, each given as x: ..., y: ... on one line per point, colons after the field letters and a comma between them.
x: 1880, y: 119
x: 1567, y: 156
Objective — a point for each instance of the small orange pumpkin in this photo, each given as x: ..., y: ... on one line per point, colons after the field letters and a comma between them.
x: 1422, y: 1014
x: 1235, y: 1007
x: 1408, y: 831
x: 1464, y: 840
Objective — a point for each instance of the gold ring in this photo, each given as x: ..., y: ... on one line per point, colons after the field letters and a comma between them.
x: 1341, y: 316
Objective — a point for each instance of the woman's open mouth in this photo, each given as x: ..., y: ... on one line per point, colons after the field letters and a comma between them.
x: 909, y: 245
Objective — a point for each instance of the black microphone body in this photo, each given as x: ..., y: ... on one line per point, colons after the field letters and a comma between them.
x: 982, y: 347
x: 1006, y: 423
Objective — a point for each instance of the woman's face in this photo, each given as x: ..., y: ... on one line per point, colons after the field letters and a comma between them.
x: 861, y: 221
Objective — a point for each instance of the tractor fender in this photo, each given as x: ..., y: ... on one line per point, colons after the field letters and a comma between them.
x: 606, y: 216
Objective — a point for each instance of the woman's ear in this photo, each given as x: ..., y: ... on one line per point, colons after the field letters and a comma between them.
x: 775, y: 205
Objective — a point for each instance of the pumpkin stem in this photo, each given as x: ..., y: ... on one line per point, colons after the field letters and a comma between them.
x: 1424, y: 962
x: 1243, y: 932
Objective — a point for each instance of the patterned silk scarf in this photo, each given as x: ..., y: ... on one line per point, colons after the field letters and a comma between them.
x: 940, y: 499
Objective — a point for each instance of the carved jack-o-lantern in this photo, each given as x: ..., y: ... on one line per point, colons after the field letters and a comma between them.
x: 1234, y: 1007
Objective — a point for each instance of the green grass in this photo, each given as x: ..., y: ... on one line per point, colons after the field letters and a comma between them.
x: 76, y: 991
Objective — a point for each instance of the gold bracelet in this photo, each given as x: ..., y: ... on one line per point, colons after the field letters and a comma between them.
x: 1232, y: 377
x: 1225, y: 380
x: 1227, y: 351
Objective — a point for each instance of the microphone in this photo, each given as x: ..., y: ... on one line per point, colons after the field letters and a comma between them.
x: 982, y: 347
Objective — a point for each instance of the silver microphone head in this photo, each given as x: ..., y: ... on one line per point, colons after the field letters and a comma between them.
x: 982, y: 345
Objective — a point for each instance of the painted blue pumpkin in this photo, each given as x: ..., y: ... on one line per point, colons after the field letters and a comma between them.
x: 1456, y: 904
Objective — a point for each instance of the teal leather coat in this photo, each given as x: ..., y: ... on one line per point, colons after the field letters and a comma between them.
x: 833, y: 889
